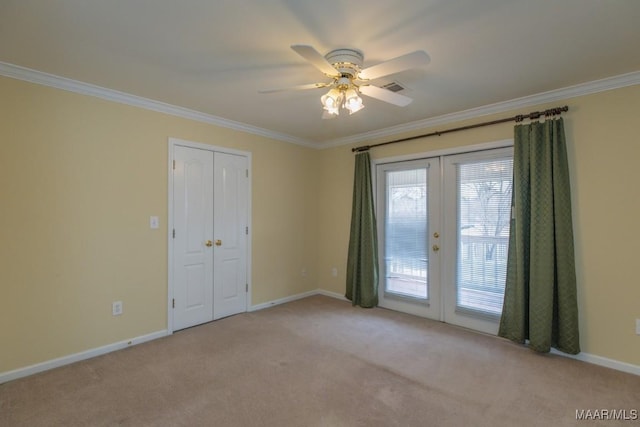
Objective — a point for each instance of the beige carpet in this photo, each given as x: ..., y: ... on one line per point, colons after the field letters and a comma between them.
x: 320, y: 362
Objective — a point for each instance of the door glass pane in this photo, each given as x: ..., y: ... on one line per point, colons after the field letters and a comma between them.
x: 484, y: 214
x: 406, y: 228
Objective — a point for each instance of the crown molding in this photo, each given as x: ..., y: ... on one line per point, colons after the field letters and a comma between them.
x: 582, y: 89
x: 39, y: 77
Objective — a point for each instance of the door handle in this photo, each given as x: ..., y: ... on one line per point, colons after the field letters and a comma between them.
x: 208, y: 243
x: 218, y: 242
x: 436, y: 248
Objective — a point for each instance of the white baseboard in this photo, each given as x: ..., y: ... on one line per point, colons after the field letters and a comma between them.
x: 282, y: 300
x: 66, y: 360
x: 585, y: 357
x: 87, y: 354
x: 602, y: 361
x: 332, y: 295
x: 297, y: 297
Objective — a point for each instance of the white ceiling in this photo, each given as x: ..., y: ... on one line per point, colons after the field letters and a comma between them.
x: 212, y: 56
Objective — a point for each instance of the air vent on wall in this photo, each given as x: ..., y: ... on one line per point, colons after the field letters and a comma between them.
x: 393, y: 87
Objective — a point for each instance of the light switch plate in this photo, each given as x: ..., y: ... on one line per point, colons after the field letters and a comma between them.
x: 154, y: 222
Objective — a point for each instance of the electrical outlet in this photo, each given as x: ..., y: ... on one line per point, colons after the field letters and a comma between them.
x: 638, y: 326
x: 116, y: 308
x: 304, y: 272
x: 334, y: 272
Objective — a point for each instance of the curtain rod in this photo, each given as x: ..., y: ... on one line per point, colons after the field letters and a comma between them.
x: 520, y: 117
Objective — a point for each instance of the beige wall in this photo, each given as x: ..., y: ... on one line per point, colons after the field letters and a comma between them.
x: 603, y: 151
x: 79, y: 178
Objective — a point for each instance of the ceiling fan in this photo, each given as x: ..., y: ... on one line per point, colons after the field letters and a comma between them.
x: 349, y: 79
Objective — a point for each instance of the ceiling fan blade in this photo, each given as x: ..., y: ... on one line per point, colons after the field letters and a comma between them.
x: 316, y: 59
x: 395, y: 65
x: 299, y: 87
x: 386, y: 95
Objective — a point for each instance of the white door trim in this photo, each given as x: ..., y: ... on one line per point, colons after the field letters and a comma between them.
x: 172, y: 142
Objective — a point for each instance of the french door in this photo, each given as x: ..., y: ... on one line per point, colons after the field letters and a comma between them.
x: 408, y: 199
x: 444, y: 232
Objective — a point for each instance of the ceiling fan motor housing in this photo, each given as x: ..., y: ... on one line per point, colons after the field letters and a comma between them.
x: 347, y: 61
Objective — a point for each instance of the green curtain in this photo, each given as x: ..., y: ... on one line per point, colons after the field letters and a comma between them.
x: 540, y: 303
x: 362, y: 262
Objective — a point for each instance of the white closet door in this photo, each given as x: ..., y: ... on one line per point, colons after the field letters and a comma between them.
x: 230, y: 228
x: 193, y: 225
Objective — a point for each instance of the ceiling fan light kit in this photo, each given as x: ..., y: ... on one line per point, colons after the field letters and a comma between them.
x: 331, y: 101
x: 344, y: 66
x: 353, y: 102
x: 344, y: 92
x: 338, y: 97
